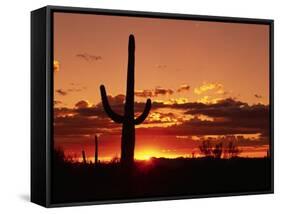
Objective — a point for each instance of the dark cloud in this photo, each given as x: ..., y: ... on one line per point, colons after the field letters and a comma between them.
x: 65, y: 92
x: 116, y: 100
x: 199, y: 127
x: 61, y: 92
x: 258, y: 96
x: 87, y: 119
x: 63, y: 111
x: 77, y: 86
x: 228, y: 116
x: 144, y: 93
x: 162, y: 91
x: 161, y: 66
x: 88, y: 57
x: 153, y: 93
x: 229, y: 109
x: 199, y: 105
x: 75, y: 89
x: 78, y: 125
x: 182, y: 106
x: 183, y: 88
x: 82, y: 104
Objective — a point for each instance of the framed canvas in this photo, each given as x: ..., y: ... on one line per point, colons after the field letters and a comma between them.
x: 133, y: 106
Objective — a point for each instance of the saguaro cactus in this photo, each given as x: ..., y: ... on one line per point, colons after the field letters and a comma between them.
x: 96, y: 150
x: 84, y: 157
x: 128, y: 120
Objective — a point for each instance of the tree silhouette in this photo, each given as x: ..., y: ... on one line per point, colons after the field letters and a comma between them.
x: 231, y: 150
x: 206, y: 148
x: 210, y: 150
x: 217, y: 151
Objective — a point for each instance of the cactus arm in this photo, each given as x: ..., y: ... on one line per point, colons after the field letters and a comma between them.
x: 145, y: 113
x: 114, y: 116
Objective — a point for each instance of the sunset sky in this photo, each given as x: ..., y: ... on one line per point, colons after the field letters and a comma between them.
x: 205, y: 80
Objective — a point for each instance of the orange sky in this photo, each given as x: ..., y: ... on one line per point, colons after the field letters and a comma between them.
x: 177, y: 62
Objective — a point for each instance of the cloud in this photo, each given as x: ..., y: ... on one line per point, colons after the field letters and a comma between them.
x: 76, y: 89
x: 234, y: 117
x: 56, y: 66
x: 221, y: 91
x: 161, y: 118
x: 208, y: 99
x: 88, y: 57
x: 232, y: 110
x: 183, y: 87
x: 224, y: 126
x: 180, y: 100
x: 61, y: 92
x: 258, y: 96
x: 63, y: 111
x: 161, y: 66
x: 84, y: 118
x: 116, y: 100
x: 162, y: 91
x: 65, y: 92
x: 82, y: 104
x: 227, y: 117
x: 217, y: 87
x: 196, y: 105
x: 153, y: 93
x: 78, y: 125
x: 144, y: 93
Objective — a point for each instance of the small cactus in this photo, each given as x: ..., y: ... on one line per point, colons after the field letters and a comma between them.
x: 128, y: 120
x: 96, y: 150
x: 84, y: 157
x: 268, y: 153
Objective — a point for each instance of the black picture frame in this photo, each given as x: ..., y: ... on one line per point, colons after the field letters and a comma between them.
x: 42, y: 97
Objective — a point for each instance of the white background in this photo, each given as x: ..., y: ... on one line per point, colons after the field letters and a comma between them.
x: 15, y: 106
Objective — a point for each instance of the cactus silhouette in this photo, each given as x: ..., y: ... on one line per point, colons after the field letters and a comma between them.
x: 84, y: 157
x: 96, y: 150
x: 128, y: 120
